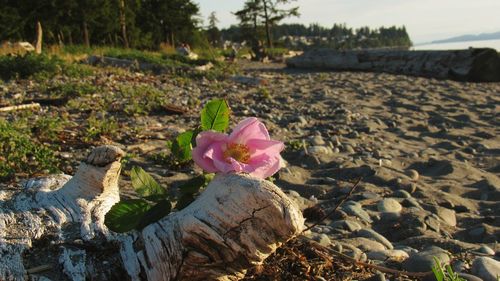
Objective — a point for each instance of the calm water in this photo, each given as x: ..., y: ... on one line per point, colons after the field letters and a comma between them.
x: 495, y: 44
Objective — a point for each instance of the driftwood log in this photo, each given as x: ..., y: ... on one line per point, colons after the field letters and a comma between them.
x: 53, y: 229
x: 474, y: 65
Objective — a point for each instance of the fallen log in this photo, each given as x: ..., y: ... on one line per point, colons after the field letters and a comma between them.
x: 473, y: 65
x: 53, y: 229
x: 33, y: 105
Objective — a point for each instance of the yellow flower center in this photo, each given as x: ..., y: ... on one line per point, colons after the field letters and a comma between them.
x: 238, y: 152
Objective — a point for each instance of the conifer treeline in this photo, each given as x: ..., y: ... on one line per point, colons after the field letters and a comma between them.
x: 339, y: 36
x: 134, y: 23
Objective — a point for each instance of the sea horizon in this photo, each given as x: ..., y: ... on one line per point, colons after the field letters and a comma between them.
x: 494, y: 44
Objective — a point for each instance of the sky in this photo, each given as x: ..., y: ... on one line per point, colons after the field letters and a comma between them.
x: 425, y: 20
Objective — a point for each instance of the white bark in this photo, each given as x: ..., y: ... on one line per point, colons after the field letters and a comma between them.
x: 235, y: 223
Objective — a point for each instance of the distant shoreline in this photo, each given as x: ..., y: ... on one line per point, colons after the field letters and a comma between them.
x: 490, y: 43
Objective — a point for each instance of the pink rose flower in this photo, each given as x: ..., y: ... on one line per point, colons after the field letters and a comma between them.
x: 248, y: 149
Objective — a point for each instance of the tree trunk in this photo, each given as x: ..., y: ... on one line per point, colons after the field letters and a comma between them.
x: 268, y: 26
x: 123, y: 23
x: 86, y: 39
x: 234, y: 224
x: 475, y: 65
x: 39, y: 38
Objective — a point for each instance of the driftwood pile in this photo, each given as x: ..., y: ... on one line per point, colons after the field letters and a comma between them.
x: 473, y: 65
x: 53, y: 229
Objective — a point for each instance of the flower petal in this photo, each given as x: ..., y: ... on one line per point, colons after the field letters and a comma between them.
x: 208, y: 144
x: 205, y: 158
x: 250, y: 128
x: 258, y: 147
x: 205, y: 138
x: 264, y: 166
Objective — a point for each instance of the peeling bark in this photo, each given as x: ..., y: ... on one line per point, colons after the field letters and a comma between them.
x: 235, y: 223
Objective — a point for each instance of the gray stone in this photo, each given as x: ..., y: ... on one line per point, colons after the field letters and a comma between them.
x: 424, y: 261
x: 447, y: 215
x: 486, y: 268
x: 351, y: 251
x: 478, y: 231
x: 413, y: 174
x: 319, y: 150
x: 355, y: 209
x: 401, y: 193
x: 384, y: 255
x: 323, y: 240
x: 349, y: 149
x: 348, y: 225
x: 469, y: 277
x: 372, y: 234
x: 432, y: 222
x: 486, y: 250
x: 317, y: 140
x: 389, y: 205
x: 364, y: 244
x: 411, y: 202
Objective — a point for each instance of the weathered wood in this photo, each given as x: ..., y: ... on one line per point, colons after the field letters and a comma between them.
x: 475, y: 65
x: 20, y: 107
x: 39, y: 38
x: 235, y: 223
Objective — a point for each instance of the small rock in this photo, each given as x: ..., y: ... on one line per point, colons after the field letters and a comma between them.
x: 372, y: 234
x: 351, y: 251
x: 389, y: 205
x: 411, y: 202
x: 348, y: 225
x: 323, y: 240
x: 398, y: 255
x: 469, y: 277
x: 486, y: 268
x: 413, y: 174
x: 424, y: 261
x: 432, y: 222
x: 477, y: 232
x: 486, y: 250
x: 318, y: 150
x: 353, y: 208
x: 317, y: 140
x: 447, y: 215
x: 401, y: 193
x: 365, y: 244
x: 349, y: 149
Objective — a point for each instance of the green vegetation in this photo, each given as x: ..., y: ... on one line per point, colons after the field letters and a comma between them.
x: 446, y: 273
x: 139, y: 100
x: 20, y: 152
x: 39, y: 67
x: 103, y: 125
x: 28, y: 65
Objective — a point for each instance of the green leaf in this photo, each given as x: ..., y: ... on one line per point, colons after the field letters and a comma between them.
x: 437, y: 269
x: 126, y: 215
x: 215, y: 115
x: 157, y: 212
x: 144, y: 184
x: 182, y: 146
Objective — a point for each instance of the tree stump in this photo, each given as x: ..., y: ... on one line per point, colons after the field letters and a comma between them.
x: 53, y: 229
x: 474, y: 65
